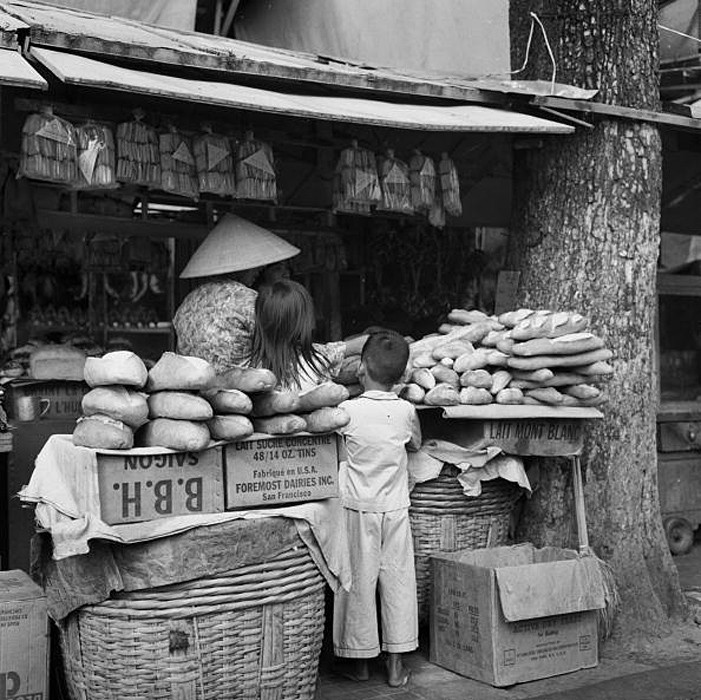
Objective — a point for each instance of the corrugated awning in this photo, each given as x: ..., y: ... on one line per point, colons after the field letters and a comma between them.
x: 15, y: 71
x: 86, y: 72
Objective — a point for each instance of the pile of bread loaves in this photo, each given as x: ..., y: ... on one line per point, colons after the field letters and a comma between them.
x: 527, y: 356
x: 181, y: 404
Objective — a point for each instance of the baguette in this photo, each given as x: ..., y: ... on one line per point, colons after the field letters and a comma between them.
x: 472, y: 360
x: 118, y: 403
x: 175, y: 372
x: 540, y: 361
x: 120, y: 367
x: 549, y: 326
x: 102, y: 432
x: 348, y: 374
x: 326, y: 419
x: 510, y: 396
x: 582, y: 391
x: 229, y: 401
x: 247, y: 379
x: 179, y: 405
x: 424, y: 378
x: 452, y: 350
x: 474, y: 396
x: 270, y: 403
x: 477, y: 378
x: 549, y: 396
x: 500, y: 380
x: 413, y: 393
x: 569, y: 344
x: 230, y: 427
x: 465, y: 317
x: 280, y: 425
x: 445, y: 375
x: 326, y: 394
x: 424, y: 359
x: 442, y: 395
x: 535, y: 375
x: 513, y: 318
x: 599, y: 368
x: 181, y: 435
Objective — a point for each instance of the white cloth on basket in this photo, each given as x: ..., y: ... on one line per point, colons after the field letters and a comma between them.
x: 476, y: 464
x: 64, y: 487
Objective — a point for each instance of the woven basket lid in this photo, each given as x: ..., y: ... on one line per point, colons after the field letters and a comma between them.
x: 235, y: 244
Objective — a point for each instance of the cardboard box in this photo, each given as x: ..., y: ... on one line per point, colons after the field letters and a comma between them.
x: 24, y: 633
x: 267, y: 471
x: 146, y: 486
x: 512, y: 614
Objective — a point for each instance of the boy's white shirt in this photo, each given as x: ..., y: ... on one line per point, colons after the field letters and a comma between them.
x: 374, y: 478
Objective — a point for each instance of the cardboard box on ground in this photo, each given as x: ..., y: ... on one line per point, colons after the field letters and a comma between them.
x: 512, y: 614
x: 24, y: 659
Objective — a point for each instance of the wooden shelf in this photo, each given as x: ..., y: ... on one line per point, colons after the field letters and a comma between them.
x: 129, y: 329
x: 678, y: 285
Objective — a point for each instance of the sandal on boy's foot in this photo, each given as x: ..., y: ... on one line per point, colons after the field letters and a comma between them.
x: 402, y: 680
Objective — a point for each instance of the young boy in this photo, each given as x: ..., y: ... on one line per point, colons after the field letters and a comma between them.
x: 375, y: 495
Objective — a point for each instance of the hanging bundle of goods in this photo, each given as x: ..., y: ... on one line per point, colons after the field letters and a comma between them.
x: 356, y: 183
x: 255, y: 170
x: 138, y: 157
x: 422, y: 174
x: 449, y: 186
x: 49, y: 148
x: 181, y: 404
x: 394, y: 184
x: 178, y: 174
x: 96, y: 157
x: 215, y: 163
x: 519, y: 357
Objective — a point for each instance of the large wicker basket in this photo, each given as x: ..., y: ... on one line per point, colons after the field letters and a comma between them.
x: 254, y: 632
x: 444, y: 519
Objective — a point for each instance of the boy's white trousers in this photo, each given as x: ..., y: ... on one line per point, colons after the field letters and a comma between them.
x: 382, y: 560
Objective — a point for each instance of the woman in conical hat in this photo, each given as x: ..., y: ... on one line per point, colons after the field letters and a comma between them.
x: 216, y: 320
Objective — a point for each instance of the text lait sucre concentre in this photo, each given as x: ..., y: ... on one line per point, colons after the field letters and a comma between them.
x: 285, y: 478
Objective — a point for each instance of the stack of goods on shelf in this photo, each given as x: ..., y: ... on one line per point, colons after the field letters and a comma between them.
x: 96, y: 157
x: 520, y: 357
x: 356, y: 183
x: 255, y: 170
x: 49, y: 149
x: 178, y: 174
x: 114, y: 408
x: 394, y: 184
x: 138, y: 157
x: 215, y: 163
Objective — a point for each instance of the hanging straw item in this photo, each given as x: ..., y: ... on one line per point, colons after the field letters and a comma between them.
x: 178, y: 174
x: 215, y: 163
x: 394, y: 184
x: 96, y: 157
x: 436, y: 215
x: 422, y: 173
x: 356, y: 183
x: 255, y: 170
x: 449, y: 185
x: 49, y: 148
x: 138, y: 158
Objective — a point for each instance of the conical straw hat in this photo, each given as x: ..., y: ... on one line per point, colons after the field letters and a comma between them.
x: 235, y: 244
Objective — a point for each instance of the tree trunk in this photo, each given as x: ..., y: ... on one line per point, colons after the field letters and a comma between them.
x: 586, y: 238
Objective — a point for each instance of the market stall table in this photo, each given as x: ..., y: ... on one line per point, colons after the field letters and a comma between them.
x: 204, y: 605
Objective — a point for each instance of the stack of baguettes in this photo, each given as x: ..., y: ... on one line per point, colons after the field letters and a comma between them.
x: 527, y: 356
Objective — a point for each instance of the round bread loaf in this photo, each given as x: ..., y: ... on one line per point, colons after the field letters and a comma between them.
x: 102, y: 432
x: 118, y: 403
x: 119, y: 367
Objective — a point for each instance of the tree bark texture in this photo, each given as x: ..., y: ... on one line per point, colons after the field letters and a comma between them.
x: 586, y: 238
